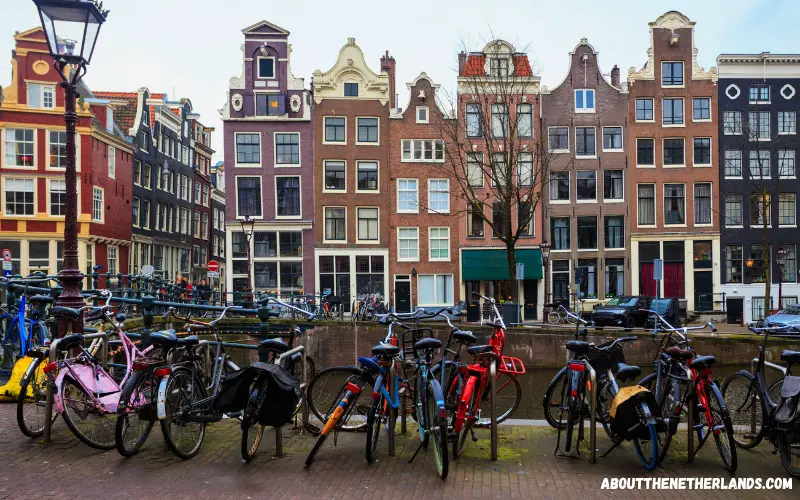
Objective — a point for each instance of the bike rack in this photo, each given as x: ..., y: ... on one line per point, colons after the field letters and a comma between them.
x: 278, y: 436
x: 392, y: 411
x: 592, y: 415
x: 48, y: 409
x: 493, y: 406
x: 690, y: 421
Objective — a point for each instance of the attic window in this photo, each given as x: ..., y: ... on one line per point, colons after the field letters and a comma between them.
x: 351, y: 89
x: 266, y: 67
x: 498, y: 66
x: 109, y: 119
x: 422, y: 114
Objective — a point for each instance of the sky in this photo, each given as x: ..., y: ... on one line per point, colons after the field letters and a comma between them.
x: 190, y: 48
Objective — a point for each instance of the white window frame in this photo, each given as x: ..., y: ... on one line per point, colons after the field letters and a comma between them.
x: 146, y: 224
x: 412, y: 146
x: 683, y: 112
x: 603, y: 143
x: 275, y: 150
x: 636, y: 152
x: 258, y: 68
x: 478, y: 160
x: 694, y: 215
x: 137, y: 202
x: 710, y: 110
x: 725, y: 161
x: 324, y: 232
x: 710, y: 150
x: 655, y: 204
x: 324, y: 165
x: 236, y: 195
x: 48, y: 155
x: 430, y: 246
x: 663, y: 151
x: 100, y: 190
x: 794, y: 158
x: 3, y: 143
x: 378, y: 172
x: 551, y: 183
x: 42, y: 88
x: 683, y: 77
x: 778, y: 122
x: 653, y: 101
x: 613, y: 200
x: 377, y: 241
x: 431, y: 210
x: 115, y: 250
x: 324, y: 126
x: 596, y: 183
x: 584, y: 109
x: 584, y: 157
x: 795, y: 210
x: 399, y: 190
x: 236, y: 163
x: 35, y: 197
x: 275, y: 195
x: 548, y: 139
x: 359, y: 143
x: 407, y: 259
x: 441, y: 301
x: 685, y: 201
x: 50, y: 200
x: 112, y: 162
x: 427, y: 114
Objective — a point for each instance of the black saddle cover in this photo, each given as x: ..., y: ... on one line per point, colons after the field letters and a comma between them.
x: 789, y: 405
x: 282, y: 392
x: 624, y: 412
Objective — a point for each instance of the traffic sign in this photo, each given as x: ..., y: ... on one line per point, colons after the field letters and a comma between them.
x: 6, y: 254
x: 213, y: 266
x: 213, y: 274
x: 658, y: 269
x: 8, y: 265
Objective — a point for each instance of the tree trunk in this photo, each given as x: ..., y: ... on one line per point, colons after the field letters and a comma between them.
x: 767, y: 271
x: 512, y: 271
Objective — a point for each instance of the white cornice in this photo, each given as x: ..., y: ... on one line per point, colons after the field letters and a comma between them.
x: 351, y: 65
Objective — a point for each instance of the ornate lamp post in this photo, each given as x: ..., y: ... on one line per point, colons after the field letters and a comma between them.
x: 782, y: 255
x: 71, y: 28
x: 545, y: 247
x: 248, y: 225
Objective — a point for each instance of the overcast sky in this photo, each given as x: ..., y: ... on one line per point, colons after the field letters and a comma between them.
x: 190, y: 48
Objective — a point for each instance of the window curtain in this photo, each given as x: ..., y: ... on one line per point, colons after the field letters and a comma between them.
x: 646, y: 205
x: 702, y: 203
x: 673, y: 280
x: 647, y: 285
x: 289, y: 196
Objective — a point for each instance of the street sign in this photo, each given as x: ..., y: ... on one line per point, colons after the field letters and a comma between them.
x: 8, y: 265
x: 658, y: 269
x: 6, y: 254
x: 148, y: 270
x: 213, y: 274
x: 520, y: 271
x: 213, y: 266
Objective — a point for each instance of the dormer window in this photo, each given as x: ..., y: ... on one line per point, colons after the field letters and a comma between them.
x: 351, y: 89
x: 266, y: 67
x: 41, y: 96
x: 109, y: 119
x: 584, y: 101
x: 498, y: 66
x: 422, y: 114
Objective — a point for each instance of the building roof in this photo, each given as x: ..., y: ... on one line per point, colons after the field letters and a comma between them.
x: 476, y: 65
x: 124, y: 115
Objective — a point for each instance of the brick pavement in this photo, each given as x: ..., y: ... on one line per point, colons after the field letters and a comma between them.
x: 526, y: 469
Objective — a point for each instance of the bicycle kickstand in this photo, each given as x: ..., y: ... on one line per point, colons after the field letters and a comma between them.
x: 421, y: 445
x: 604, y: 455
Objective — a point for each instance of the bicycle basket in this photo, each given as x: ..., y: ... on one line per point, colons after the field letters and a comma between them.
x: 333, y: 300
x: 411, y: 337
x: 234, y: 391
x: 602, y: 359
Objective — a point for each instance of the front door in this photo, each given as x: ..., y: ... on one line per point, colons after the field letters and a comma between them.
x: 735, y: 309
x: 402, y: 296
x: 703, y: 291
x: 531, y: 290
x: 343, y: 290
x: 561, y: 289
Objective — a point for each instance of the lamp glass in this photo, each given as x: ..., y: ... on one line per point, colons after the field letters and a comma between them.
x: 71, y: 28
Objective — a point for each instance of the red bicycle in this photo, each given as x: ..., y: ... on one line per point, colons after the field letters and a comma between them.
x: 469, y: 384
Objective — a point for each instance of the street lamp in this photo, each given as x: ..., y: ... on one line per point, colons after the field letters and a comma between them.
x: 545, y: 247
x: 71, y: 28
x: 782, y: 255
x: 248, y: 225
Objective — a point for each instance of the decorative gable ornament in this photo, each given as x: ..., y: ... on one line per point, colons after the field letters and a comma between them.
x: 294, y: 103
x: 237, y: 101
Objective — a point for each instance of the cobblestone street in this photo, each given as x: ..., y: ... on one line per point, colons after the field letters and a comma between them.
x: 526, y: 469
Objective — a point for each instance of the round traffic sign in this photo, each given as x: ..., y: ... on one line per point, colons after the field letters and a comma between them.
x: 6, y: 254
x: 213, y: 266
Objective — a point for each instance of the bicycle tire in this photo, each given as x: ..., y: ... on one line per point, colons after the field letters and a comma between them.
x: 102, y: 440
x: 466, y: 428
x: 252, y: 430
x: 570, y: 320
x: 671, y: 393
x: 374, y: 425
x: 438, y: 430
x: 510, y: 390
x: 548, y: 405
x: 176, y: 396
x: 649, y: 462
x: 135, y: 389
x: 332, y: 423
x: 553, y: 318
x: 32, y: 425
x: 743, y: 399
x: 571, y: 417
x: 724, y: 437
x: 326, y: 388
x: 789, y: 451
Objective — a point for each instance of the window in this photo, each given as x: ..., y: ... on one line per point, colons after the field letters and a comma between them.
x: 702, y: 151
x: 475, y: 220
x: 644, y: 110
x: 757, y: 271
x: 97, y: 204
x: 585, y: 144
x: 439, y: 243
x: 702, y: 203
x: 786, y: 163
x: 559, y: 233
x: 760, y: 164
x: 586, y: 278
x: 408, y: 244
x: 269, y: 105
x: 435, y: 289
x: 672, y: 113
x: 612, y: 138
x: 760, y: 209
x: 733, y: 263
x: 407, y: 195
x: 334, y: 175
x: 439, y: 196
x: 58, y: 151
x: 367, y: 175
x: 19, y: 147
x: 248, y: 196
x: 475, y: 169
x: 499, y: 220
x: 41, y: 96
x: 673, y: 152
x: 367, y: 130
x: 759, y: 94
x: 144, y: 141
x: 558, y: 139
x: 586, y: 185
x: 335, y: 224
x: 647, y: 204
x: 787, y: 122
x: 790, y: 266
x: 524, y: 169
x: 584, y: 101
x: 787, y: 209
x: 196, y: 224
x: 733, y: 163
x: 367, y: 224
x: 19, y: 196
x: 525, y: 218
x: 351, y: 89
x: 646, y: 152
x: 146, y: 174
x: 701, y: 108
x: 58, y: 197
x: 112, y: 161
x: 734, y: 210
x: 615, y: 231
x: 287, y: 149
x: 671, y: 73
x: 146, y: 214
x: 759, y: 126
x: 248, y: 149
x: 113, y: 260
x: 559, y: 186
x: 474, y: 120
x: 615, y: 277
x: 587, y: 233
x: 499, y: 120
x: 498, y: 66
x: 423, y: 150
x: 613, y: 185
x: 335, y: 129
x: 732, y: 122
x: 291, y: 243
x: 674, y: 204
x: 524, y: 120
x: 422, y: 114
x: 287, y: 194
x: 266, y: 67
x: 499, y: 170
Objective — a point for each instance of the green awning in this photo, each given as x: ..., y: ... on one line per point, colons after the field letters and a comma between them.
x: 492, y: 264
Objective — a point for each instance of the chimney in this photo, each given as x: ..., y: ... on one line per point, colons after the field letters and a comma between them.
x: 462, y: 61
x: 615, y: 76
x: 388, y: 65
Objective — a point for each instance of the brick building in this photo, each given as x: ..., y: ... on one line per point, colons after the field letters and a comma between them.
x: 351, y: 181
x: 585, y: 119
x: 201, y: 154
x: 674, y: 176
x: 423, y: 241
x: 33, y: 159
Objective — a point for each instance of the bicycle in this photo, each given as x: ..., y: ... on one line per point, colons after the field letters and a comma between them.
x: 754, y: 413
x: 681, y: 378
x: 560, y: 314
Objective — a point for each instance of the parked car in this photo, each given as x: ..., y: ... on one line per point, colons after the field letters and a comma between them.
x: 669, y: 309
x: 788, y: 316
x: 622, y: 312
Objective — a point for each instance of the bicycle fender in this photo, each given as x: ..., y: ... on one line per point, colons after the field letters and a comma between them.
x: 161, y: 401
x: 648, y: 415
x: 438, y: 397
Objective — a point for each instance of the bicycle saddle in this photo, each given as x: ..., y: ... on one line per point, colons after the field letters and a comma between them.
x: 464, y: 337
x: 163, y: 338
x: 385, y: 350
x: 702, y: 362
x: 45, y: 299
x: 578, y: 346
x: 68, y: 342
x: 479, y: 349
x: 627, y: 372
x: 65, y: 311
x: 790, y: 356
x: 273, y: 345
x: 678, y: 353
x: 368, y: 364
x: 427, y: 343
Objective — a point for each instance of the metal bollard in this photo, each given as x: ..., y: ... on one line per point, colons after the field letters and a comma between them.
x: 593, y: 416
x: 493, y: 406
x: 392, y: 411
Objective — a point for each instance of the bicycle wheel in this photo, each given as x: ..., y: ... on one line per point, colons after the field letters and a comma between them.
x: 333, y: 422
x: 182, y: 392
x: 721, y: 426
x: 374, y: 420
x: 553, y: 318
x: 468, y: 407
x: 743, y: 399
x: 136, y: 412
x: 789, y: 450
x: 570, y: 319
x: 326, y: 388
x: 509, y: 394
x: 31, y: 401
x: 89, y: 424
x: 572, y: 416
x: 669, y: 399
x: 647, y: 449
x: 252, y: 430
x: 552, y: 402
x: 438, y: 429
